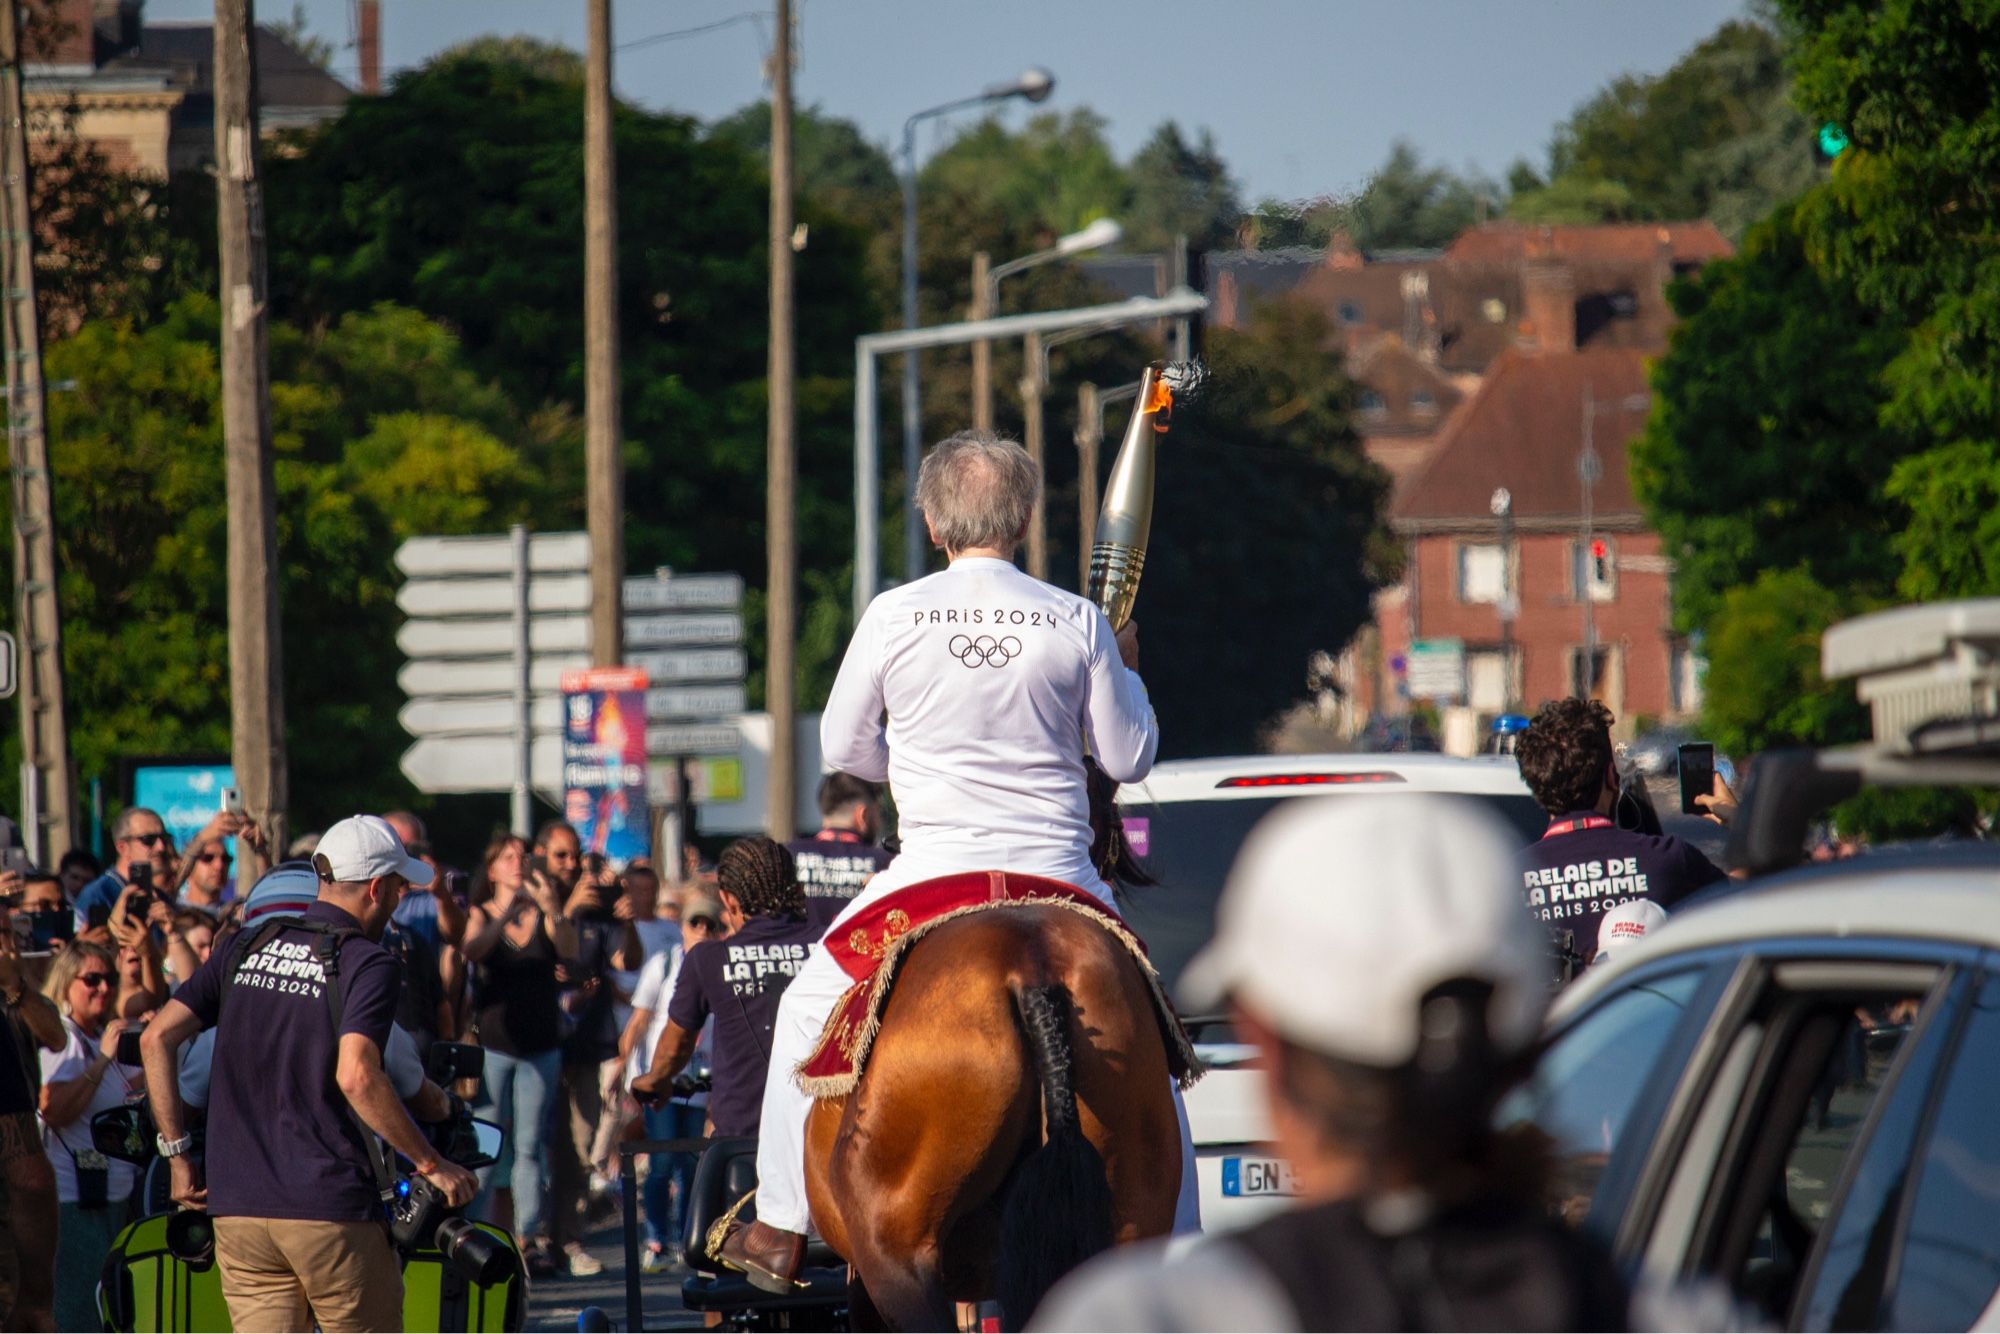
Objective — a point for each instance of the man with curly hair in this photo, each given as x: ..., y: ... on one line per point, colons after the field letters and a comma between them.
x: 1585, y: 865
x: 738, y: 979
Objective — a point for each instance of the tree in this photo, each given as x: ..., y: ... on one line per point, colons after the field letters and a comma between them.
x: 1404, y: 205
x: 1180, y: 189
x: 1763, y: 686
x: 293, y: 30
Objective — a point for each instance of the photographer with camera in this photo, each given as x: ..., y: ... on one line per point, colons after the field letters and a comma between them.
x: 296, y: 1190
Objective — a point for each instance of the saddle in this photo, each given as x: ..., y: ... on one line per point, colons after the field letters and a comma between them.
x: 871, y: 945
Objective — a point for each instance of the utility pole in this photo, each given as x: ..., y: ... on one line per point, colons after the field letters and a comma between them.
x: 982, y: 351
x: 1089, y: 435
x: 781, y: 554
x: 1032, y: 389
x: 604, y: 482
x: 1588, y: 468
x: 46, y: 806
x: 256, y: 645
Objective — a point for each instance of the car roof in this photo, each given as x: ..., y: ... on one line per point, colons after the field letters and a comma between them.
x: 1197, y: 780
x: 1949, y: 893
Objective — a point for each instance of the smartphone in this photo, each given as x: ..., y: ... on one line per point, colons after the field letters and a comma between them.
x: 1697, y: 766
x: 15, y: 859
x: 231, y: 803
x: 142, y: 875
x: 457, y: 884
x: 128, y: 1052
x: 46, y: 926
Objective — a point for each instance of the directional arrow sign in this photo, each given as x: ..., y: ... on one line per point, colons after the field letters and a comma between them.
x: 488, y: 638
x: 692, y: 664
x: 548, y: 553
x: 9, y: 673
x: 478, y: 715
x: 481, y: 764
x: 674, y: 631
x: 484, y: 676
x: 716, y: 701
x: 685, y: 592
x: 692, y: 739
x: 492, y: 597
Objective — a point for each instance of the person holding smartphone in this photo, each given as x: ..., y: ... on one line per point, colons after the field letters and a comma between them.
x: 79, y: 1081
x: 139, y: 837
x: 1584, y: 865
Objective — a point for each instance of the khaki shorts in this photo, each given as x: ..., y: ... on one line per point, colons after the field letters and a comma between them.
x: 285, y: 1274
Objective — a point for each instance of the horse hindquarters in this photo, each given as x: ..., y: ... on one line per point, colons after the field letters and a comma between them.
x: 1059, y: 1208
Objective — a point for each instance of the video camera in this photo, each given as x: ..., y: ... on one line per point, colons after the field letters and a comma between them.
x: 419, y: 1217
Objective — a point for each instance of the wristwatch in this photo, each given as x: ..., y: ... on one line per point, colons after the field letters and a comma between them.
x: 173, y: 1148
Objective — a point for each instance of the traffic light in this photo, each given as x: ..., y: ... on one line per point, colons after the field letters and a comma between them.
x: 1831, y: 141
x: 1600, y: 561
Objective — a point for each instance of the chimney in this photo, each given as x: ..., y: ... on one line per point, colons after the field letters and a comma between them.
x: 1341, y: 252
x: 1548, y: 291
x: 370, y: 44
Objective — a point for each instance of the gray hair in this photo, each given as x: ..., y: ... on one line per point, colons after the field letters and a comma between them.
x: 121, y: 828
x: 977, y: 489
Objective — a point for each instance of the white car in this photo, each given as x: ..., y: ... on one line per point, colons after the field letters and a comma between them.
x: 1186, y: 822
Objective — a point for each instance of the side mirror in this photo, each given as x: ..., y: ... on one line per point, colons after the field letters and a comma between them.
x: 125, y: 1133
x: 449, y: 1062
x: 490, y: 1139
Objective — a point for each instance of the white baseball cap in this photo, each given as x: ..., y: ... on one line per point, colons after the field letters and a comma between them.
x: 362, y: 847
x: 1626, y: 925
x: 1342, y: 913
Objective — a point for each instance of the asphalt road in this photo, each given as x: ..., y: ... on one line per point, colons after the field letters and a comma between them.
x: 555, y: 1303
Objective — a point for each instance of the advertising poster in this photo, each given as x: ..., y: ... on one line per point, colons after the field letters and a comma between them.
x: 186, y: 796
x: 604, y: 761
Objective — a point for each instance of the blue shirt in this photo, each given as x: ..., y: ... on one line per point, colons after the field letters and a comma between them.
x: 282, y: 1143
x: 417, y: 912
x: 102, y: 891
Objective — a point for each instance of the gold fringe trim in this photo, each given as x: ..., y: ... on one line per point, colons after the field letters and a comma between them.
x: 859, y: 1043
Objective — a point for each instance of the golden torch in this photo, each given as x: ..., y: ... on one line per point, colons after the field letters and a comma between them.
x: 1125, y: 521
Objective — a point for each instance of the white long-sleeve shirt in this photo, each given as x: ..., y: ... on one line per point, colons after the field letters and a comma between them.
x: 992, y: 681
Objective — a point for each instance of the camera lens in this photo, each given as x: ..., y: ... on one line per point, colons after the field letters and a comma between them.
x: 478, y: 1255
x: 191, y: 1238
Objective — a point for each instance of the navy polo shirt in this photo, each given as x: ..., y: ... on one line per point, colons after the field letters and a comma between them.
x: 1586, y: 865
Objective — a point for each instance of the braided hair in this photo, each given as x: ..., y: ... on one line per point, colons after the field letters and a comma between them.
x: 760, y: 875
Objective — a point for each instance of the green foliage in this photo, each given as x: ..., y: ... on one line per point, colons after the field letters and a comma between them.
x: 1180, y: 188
x: 292, y: 28
x: 1763, y: 685
x: 1763, y: 451
x: 1950, y: 547
x: 1405, y: 204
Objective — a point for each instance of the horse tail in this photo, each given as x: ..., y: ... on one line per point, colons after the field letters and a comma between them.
x: 1058, y: 1211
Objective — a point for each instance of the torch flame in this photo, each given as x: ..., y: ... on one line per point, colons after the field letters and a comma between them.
x: 1159, y: 404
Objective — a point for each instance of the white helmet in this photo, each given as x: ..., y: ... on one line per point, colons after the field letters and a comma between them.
x: 1343, y: 913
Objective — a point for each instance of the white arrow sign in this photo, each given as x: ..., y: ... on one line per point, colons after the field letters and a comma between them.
x: 548, y: 553
x: 487, y: 638
x: 492, y: 597
x: 722, y: 627
x: 481, y: 764
x: 692, y: 664
x: 477, y: 715
x: 685, y: 592
x: 485, y: 676
x: 9, y: 672
x: 692, y: 739
x: 668, y: 702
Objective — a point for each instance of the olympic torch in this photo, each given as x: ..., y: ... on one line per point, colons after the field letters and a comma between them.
x: 1125, y: 521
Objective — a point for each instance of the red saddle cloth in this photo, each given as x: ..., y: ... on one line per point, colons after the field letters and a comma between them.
x: 869, y: 947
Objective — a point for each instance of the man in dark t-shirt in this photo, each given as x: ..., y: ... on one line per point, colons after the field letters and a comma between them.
x: 1585, y: 865
x: 299, y: 1232
x: 738, y: 981
x: 836, y: 862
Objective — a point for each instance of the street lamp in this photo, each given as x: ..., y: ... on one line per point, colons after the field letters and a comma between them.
x: 986, y: 301
x: 1034, y: 388
x: 1034, y: 86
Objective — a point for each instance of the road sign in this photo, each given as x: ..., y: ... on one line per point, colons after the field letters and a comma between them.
x: 692, y: 739
x: 485, y: 676
x: 445, y: 557
x: 666, y: 703
x: 683, y: 629
x: 1437, y: 669
x: 477, y: 715
x: 692, y: 664
x: 482, y: 764
x: 493, y: 637
x: 9, y: 674
x: 493, y: 597
x: 685, y: 592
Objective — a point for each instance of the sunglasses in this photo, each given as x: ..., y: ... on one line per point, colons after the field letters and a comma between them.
x: 94, y: 980
x: 208, y: 857
x: 150, y: 840
x: 708, y: 922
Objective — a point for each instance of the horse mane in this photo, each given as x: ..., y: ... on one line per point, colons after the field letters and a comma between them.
x: 1109, y: 852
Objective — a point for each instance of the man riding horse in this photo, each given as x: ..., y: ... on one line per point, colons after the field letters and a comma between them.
x: 993, y: 684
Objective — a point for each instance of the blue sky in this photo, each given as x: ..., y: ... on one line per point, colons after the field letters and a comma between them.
x: 1304, y: 97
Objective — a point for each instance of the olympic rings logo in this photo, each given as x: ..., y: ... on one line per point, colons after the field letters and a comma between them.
x: 985, y: 651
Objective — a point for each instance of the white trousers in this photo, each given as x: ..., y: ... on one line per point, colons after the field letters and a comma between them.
x: 802, y: 1013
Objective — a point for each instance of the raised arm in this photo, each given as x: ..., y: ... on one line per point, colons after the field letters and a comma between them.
x: 1124, y: 734
x: 851, y: 735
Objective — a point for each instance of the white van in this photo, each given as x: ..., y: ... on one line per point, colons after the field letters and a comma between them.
x: 1185, y: 823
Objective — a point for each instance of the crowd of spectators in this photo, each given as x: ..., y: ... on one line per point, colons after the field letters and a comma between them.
x: 560, y: 966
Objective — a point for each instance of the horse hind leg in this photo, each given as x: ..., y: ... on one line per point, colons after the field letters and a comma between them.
x: 1059, y: 1207
x: 899, y: 1292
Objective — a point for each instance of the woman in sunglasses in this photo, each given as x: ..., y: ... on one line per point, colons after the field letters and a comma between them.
x: 81, y: 1080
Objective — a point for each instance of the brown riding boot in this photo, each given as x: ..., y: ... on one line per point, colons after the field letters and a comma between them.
x: 768, y: 1256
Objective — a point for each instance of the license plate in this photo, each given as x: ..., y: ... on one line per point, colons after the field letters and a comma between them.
x: 1257, y: 1176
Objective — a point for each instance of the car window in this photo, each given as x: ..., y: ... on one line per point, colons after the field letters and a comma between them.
x: 1188, y: 846
x: 1951, y: 1249
x: 1586, y: 1085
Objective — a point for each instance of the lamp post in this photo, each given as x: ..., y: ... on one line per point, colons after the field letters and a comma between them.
x: 986, y: 301
x: 1035, y: 85
x: 1589, y: 471
x: 1502, y: 506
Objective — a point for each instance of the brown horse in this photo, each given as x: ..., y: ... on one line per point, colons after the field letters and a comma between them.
x: 1014, y: 1119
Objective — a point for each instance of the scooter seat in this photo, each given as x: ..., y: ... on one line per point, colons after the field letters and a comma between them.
x: 726, y: 1173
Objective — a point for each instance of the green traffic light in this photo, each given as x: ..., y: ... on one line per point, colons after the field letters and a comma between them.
x: 1833, y: 141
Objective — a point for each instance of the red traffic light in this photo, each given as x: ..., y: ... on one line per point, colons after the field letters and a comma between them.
x: 1598, y: 550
